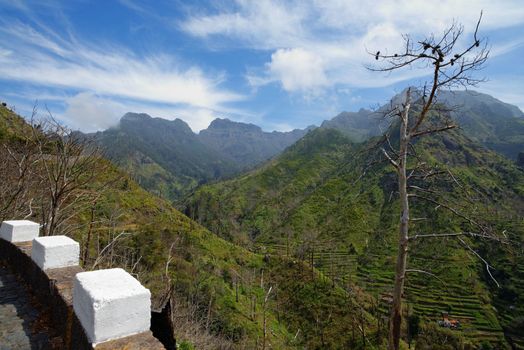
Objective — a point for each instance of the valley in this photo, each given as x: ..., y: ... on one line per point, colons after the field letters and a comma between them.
x: 321, y: 201
x: 263, y: 175
x: 312, y: 225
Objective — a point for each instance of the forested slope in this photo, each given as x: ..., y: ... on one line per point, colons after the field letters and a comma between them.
x: 225, y: 296
x: 334, y: 204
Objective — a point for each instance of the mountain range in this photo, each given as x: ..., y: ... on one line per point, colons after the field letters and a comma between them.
x: 169, y: 159
x: 307, y: 221
x: 496, y: 125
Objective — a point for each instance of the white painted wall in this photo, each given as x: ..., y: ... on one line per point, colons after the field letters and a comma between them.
x: 55, y: 251
x: 19, y: 230
x: 111, y: 304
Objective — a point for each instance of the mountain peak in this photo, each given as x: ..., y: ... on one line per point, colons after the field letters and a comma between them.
x: 142, y: 118
x: 180, y: 124
x: 246, y: 143
x: 131, y: 116
x: 220, y: 124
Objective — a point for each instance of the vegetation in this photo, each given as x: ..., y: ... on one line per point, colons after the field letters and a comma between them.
x: 319, y: 248
x: 220, y: 288
x: 314, y: 203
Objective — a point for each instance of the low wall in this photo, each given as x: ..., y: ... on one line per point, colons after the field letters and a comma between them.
x: 54, y: 288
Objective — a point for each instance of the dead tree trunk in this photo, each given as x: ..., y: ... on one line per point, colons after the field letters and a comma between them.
x: 264, y: 319
x: 449, y: 68
x: 400, y: 269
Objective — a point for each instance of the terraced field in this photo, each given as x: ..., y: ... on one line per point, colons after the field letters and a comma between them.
x: 426, y: 296
x: 511, y: 313
x: 337, y: 264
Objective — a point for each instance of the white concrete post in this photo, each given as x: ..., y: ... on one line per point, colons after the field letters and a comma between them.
x: 111, y: 304
x: 19, y: 230
x: 55, y: 251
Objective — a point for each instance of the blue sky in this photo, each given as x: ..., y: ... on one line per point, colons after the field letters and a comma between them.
x: 278, y: 64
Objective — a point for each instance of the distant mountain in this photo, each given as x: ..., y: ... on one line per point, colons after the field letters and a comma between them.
x: 247, y: 144
x: 358, y: 126
x: 169, y: 159
x: 164, y: 156
x: 497, y: 125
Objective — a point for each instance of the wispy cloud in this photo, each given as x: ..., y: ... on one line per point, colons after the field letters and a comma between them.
x: 329, y: 38
x: 50, y: 60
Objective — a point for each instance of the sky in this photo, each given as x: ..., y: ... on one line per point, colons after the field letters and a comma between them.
x: 278, y: 64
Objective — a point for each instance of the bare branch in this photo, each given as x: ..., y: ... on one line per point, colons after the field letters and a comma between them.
x: 395, y: 164
x: 433, y: 131
x: 488, y: 266
x: 456, y: 234
x: 109, y: 246
x: 451, y: 209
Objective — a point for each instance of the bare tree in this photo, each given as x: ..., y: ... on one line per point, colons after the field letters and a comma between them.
x: 52, y: 173
x: 450, y: 64
x: 19, y: 161
x: 69, y: 164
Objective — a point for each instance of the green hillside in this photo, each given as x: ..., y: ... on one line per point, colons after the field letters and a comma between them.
x: 218, y: 287
x: 12, y: 126
x: 326, y: 200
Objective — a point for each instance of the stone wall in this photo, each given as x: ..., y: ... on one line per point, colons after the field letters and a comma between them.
x: 54, y: 288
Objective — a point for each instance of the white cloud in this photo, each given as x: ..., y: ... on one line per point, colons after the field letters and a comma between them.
x: 113, y: 72
x: 297, y: 69
x: 89, y: 112
x: 338, y: 32
x: 260, y: 24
